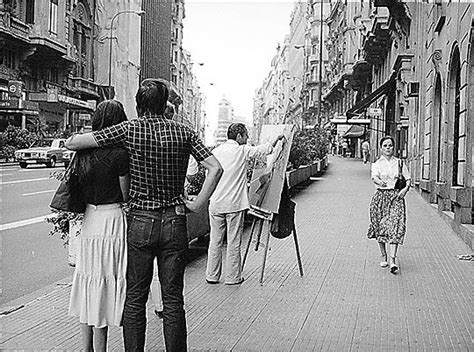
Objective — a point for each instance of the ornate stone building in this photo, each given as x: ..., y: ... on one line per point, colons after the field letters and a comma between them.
x: 58, y: 59
x: 412, y: 79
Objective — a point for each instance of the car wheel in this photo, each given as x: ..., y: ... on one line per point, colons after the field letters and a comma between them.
x: 51, y: 162
x: 23, y: 165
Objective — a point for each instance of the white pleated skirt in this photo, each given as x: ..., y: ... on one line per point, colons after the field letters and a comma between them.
x: 98, y: 286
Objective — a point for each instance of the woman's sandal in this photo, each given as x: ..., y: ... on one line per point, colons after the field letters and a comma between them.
x: 393, y: 266
x: 384, y: 262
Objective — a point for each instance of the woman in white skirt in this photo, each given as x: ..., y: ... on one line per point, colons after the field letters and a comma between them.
x: 387, y: 208
x: 98, y: 287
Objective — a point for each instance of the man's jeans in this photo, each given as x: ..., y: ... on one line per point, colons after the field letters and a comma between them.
x: 161, y: 233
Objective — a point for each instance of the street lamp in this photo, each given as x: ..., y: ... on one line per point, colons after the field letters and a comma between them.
x: 139, y: 13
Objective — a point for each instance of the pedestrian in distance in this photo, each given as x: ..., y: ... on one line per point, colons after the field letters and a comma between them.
x: 387, y: 208
x: 345, y: 148
x: 229, y: 203
x: 365, y: 151
x: 159, y: 150
x: 98, y: 285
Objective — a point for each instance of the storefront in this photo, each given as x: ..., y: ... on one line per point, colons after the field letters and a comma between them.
x: 63, y: 113
x: 20, y: 113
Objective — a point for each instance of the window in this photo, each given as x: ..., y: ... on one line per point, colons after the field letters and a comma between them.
x: 81, y: 39
x: 30, y: 12
x: 456, y: 118
x: 53, y: 16
x: 8, y: 58
x: 439, y: 125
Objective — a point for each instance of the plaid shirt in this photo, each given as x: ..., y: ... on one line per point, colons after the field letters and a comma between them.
x: 159, y: 151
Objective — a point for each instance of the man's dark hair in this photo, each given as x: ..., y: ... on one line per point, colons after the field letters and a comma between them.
x: 384, y: 138
x: 235, y: 129
x: 152, y: 96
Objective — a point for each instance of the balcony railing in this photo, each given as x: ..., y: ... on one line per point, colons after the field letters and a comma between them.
x: 14, y: 26
x: 83, y: 85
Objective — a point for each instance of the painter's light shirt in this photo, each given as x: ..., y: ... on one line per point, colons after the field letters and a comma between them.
x: 387, y: 171
x: 231, y: 193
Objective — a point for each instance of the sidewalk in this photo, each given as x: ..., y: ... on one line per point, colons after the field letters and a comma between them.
x: 344, y: 301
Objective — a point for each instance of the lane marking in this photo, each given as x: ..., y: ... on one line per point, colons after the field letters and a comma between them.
x: 39, y: 192
x: 1, y: 169
x: 1, y: 175
x: 15, y: 224
x: 29, y: 180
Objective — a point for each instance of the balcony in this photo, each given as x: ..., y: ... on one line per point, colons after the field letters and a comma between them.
x: 83, y: 85
x: 377, y: 41
x: 13, y: 26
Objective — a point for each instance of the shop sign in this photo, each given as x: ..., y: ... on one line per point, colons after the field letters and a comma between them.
x: 374, y: 112
x: 15, y: 88
x: 52, y: 95
x: 28, y: 105
x: 11, y: 104
x: 19, y: 104
x: 84, y: 117
x: 74, y: 101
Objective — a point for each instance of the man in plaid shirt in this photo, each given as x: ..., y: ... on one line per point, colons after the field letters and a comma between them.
x: 159, y: 151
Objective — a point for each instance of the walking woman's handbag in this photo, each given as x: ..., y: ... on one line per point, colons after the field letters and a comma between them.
x: 68, y: 196
x: 401, y: 182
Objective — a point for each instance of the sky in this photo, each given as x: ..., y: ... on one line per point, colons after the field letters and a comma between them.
x: 235, y: 42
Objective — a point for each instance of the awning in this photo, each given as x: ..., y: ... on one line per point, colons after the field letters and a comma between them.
x: 355, y: 131
x: 361, y: 105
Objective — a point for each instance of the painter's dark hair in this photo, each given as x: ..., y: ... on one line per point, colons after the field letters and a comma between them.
x: 152, y: 96
x: 384, y: 138
x: 234, y: 129
x: 107, y: 113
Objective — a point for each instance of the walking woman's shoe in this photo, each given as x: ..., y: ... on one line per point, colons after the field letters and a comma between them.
x: 384, y: 262
x: 393, y: 266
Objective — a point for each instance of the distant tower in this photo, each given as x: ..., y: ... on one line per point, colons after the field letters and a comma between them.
x: 224, y: 120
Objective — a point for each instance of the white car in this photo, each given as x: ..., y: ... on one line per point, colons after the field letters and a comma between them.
x: 44, y: 151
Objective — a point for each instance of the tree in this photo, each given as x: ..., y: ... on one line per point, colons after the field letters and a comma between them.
x: 308, y: 146
x: 15, y: 138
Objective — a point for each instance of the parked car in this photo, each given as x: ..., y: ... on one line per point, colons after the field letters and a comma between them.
x: 44, y: 151
x: 67, y: 156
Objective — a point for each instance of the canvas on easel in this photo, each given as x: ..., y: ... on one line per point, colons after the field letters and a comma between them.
x: 266, y: 186
x: 268, y: 175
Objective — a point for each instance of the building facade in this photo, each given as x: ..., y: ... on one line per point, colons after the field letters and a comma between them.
x: 47, y: 75
x: 58, y: 59
x: 412, y: 79
x: 291, y: 91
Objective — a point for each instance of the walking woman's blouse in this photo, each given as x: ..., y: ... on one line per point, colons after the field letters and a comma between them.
x: 387, y: 171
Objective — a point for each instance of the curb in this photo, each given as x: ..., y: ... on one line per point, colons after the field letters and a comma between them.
x: 24, y: 301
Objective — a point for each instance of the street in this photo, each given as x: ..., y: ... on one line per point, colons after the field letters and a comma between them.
x: 31, y: 259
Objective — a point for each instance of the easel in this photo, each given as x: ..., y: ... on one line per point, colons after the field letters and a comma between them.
x: 262, y: 224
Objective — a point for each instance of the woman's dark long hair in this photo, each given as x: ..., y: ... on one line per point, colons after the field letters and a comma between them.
x: 108, y: 113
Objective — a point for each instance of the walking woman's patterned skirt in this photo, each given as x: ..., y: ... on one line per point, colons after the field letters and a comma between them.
x: 387, y: 217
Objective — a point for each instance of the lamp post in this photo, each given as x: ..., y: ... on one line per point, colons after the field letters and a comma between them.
x: 320, y: 78
x: 303, y: 83
x: 139, y: 13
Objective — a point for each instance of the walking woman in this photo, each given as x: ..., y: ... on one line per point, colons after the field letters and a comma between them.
x: 387, y: 208
x: 98, y: 287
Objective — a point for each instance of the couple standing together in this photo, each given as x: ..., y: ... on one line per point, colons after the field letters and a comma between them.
x: 143, y: 162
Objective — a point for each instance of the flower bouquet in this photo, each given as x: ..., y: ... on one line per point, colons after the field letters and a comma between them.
x: 67, y: 226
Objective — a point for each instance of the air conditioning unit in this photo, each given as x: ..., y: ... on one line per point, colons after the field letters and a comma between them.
x: 413, y: 89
